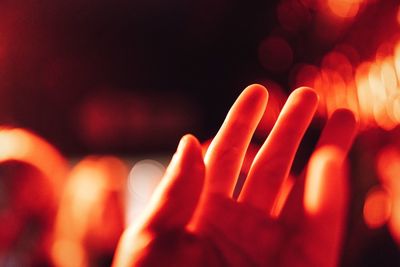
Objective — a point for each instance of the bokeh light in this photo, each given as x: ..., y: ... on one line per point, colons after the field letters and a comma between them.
x: 345, y: 8
x: 388, y: 168
x: 370, y: 88
x: 377, y: 207
x: 90, y: 215
x: 23, y: 145
x: 143, y: 179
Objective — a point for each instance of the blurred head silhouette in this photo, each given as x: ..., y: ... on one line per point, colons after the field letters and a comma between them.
x: 90, y: 216
x: 27, y: 209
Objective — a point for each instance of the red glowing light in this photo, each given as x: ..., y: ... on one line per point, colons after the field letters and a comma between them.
x: 344, y: 8
x: 388, y: 167
x: 388, y: 164
x: 370, y: 89
x: 377, y: 207
x: 22, y: 145
x: 394, y: 222
x: 89, y: 220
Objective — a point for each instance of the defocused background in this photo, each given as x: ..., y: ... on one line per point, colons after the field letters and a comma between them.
x: 123, y: 80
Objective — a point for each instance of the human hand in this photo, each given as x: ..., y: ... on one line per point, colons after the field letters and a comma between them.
x: 193, y: 220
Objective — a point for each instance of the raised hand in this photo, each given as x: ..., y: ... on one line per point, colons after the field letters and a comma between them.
x: 193, y: 220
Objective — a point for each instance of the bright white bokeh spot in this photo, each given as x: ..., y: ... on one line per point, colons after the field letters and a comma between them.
x: 143, y: 179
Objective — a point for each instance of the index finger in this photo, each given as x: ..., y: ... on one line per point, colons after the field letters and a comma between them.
x: 226, y: 152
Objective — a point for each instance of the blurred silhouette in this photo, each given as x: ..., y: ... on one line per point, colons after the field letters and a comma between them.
x: 31, y: 174
x: 27, y: 211
x: 90, y: 218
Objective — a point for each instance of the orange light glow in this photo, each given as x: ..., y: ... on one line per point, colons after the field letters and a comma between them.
x: 388, y: 166
x: 364, y: 93
x: 370, y: 90
x: 313, y: 188
x: 90, y: 216
x: 388, y: 76
x: 344, y: 8
x: 377, y: 207
x: 322, y: 168
x: 394, y: 222
x: 352, y: 99
x: 74, y: 252
x: 22, y: 145
x: 396, y: 109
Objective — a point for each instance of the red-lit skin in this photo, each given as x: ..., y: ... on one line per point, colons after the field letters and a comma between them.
x: 193, y: 220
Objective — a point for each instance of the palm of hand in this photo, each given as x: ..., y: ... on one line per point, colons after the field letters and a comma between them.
x: 193, y: 221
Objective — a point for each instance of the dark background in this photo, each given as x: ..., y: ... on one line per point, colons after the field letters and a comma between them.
x: 131, y: 77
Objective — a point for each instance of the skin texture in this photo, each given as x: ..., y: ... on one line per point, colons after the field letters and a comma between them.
x: 193, y: 220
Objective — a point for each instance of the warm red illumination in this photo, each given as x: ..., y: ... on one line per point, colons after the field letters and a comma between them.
x: 90, y: 216
x: 314, y: 186
x: 377, y: 207
x: 394, y: 222
x: 22, y: 145
x: 283, y: 194
x: 369, y: 89
x: 388, y: 167
x: 388, y: 164
x: 344, y: 8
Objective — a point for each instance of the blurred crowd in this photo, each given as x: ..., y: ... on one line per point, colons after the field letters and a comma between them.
x: 52, y: 215
x: 56, y: 212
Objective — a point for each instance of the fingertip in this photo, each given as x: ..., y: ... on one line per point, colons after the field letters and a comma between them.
x: 191, y: 143
x: 257, y: 87
x: 190, y: 138
x: 191, y: 151
x: 345, y: 113
x: 182, y: 183
x: 256, y: 93
x: 306, y: 94
x: 346, y: 117
x: 340, y: 130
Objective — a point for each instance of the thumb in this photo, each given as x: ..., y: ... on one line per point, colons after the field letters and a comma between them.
x: 171, y: 206
x: 175, y: 199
